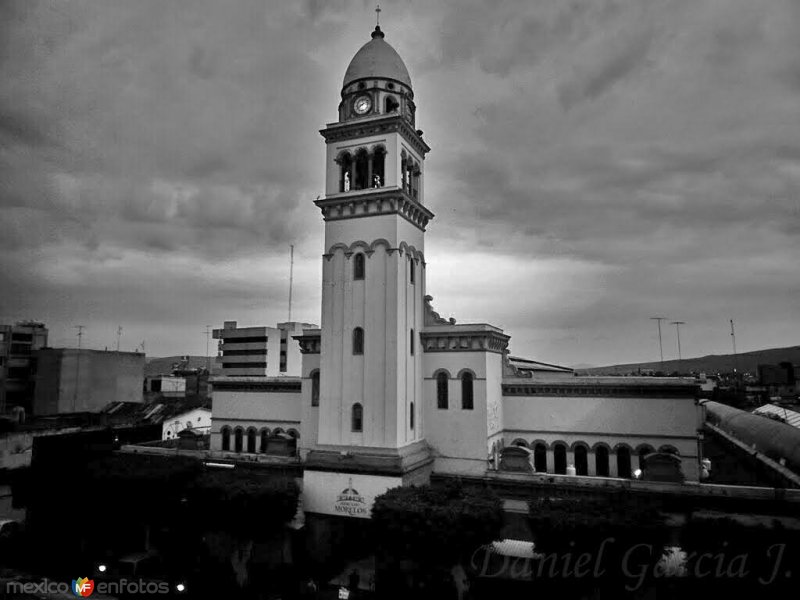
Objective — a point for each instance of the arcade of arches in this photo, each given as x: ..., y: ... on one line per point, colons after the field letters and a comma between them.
x: 599, y: 460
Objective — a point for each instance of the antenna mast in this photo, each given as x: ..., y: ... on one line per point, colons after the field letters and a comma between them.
x: 291, y: 278
x: 80, y: 329
x: 119, y: 335
x: 678, y: 330
x: 660, y: 347
x: 733, y: 339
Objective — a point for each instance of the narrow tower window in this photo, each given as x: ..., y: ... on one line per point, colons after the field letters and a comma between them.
x: 358, y: 266
x: 411, y: 417
x: 411, y: 342
x: 391, y: 104
x: 442, y: 399
x: 358, y: 341
x: 345, y: 162
x: 357, y: 421
x: 411, y: 269
x: 466, y: 391
x: 315, y: 388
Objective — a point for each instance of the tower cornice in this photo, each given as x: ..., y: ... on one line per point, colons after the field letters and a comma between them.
x: 337, y: 132
x: 374, y: 203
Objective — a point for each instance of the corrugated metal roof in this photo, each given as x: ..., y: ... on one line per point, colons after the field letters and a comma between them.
x: 789, y: 417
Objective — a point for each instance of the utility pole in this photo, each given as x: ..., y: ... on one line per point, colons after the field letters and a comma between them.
x: 678, y: 330
x: 660, y: 347
x: 735, y: 358
x: 291, y: 278
x: 119, y: 335
x: 80, y: 329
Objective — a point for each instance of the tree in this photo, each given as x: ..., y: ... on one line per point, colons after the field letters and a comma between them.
x: 585, y: 543
x: 434, y: 529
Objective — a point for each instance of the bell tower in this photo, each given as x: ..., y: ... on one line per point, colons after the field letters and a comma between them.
x: 373, y: 273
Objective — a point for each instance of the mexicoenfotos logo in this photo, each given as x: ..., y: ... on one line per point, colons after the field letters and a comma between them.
x: 82, y: 587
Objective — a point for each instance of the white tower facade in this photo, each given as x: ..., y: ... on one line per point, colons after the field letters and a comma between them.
x: 373, y: 275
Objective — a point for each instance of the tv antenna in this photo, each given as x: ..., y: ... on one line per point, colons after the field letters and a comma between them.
x: 291, y: 278
x: 119, y: 335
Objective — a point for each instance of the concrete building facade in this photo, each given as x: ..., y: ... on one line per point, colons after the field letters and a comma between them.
x: 259, y: 351
x: 69, y: 380
x: 18, y: 346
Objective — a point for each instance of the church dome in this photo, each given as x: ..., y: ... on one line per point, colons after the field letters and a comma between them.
x: 376, y: 58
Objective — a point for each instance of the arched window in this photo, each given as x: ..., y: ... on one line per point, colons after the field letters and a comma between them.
x: 391, y: 105
x: 520, y: 442
x: 560, y: 459
x: 358, y: 341
x: 345, y: 172
x: 601, y: 461
x: 414, y: 182
x: 540, y: 458
x: 362, y: 168
x: 251, y: 440
x: 581, y: 460
x: 264, y: 436
x: 226, y: 438
x: 238, y: 435
x: 643, y: 451
x: 466, y: 391
x: 411, y: 417
x: 315, y: 388
x: 357, y: 420
x: 379, y: 167
x: 624, y: 462
x: 358, y: 266
x: 411, y: 274
x: 293, y: 434
x: 277, y: 431
x: 442, y: 396
x: 411, y: 342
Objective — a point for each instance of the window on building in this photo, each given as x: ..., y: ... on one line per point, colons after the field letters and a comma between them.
x: 411, y: 274
x: 411, y: 342
x: 540, y: 458
x: 601, y: 461
x: 411, y: 417
x: 358, y: 341
x: 581, y: 460
x: 643, y: 452
x: 345, y: 162
x: 379, y: 167
x: 226, y: 438
x: 442, y: 396
x: 358, y: 266
x: 466, y: 391
x: 264, y: 435
x: 315, y: 388
x: 624, y: 462
x: 362, y: 167
x: 251, y: 440
x: 238, y: 437
x: 357, y: 420
x: 391, y: 104
x: 560, y: 459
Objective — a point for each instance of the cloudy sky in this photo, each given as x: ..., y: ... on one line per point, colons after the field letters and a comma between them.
x: 594, y: 163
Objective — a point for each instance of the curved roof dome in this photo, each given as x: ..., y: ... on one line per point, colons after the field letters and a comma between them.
x: 376, y: 58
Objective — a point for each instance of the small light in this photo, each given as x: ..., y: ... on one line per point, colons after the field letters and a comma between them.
x: 101, y: 568
x: 637, y: 473
x: 180, y: 587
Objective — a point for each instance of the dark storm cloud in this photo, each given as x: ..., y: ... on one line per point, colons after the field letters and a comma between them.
x: 598, y: 160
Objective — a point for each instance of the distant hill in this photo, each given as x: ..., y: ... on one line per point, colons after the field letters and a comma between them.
x: 745, y: 362
x: 164, y: 365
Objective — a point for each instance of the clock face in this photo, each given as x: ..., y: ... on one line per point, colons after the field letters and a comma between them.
x: 362, y: 105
